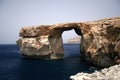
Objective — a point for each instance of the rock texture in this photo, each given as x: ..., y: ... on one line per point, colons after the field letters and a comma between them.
x: 111, y: 73
x: 100, y: 41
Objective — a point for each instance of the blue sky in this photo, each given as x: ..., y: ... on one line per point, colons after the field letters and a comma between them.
x: 15, y: 14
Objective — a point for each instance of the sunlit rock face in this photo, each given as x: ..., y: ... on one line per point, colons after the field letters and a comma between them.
x: 100, y: 41
x: 112, y: 73
x: 44, y: 41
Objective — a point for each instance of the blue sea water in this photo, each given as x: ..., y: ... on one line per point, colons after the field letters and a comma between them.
x: 14, y: 67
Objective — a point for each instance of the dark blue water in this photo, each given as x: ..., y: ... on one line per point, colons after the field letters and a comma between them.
x: 14, y: 67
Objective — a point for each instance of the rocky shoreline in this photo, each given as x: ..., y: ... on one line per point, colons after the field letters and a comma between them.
x: 111, y: 73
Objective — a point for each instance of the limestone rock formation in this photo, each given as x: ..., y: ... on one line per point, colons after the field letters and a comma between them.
x: 100, y: 41
x: 112, y: 73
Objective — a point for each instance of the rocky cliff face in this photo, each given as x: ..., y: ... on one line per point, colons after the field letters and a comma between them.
x: 100, y: 41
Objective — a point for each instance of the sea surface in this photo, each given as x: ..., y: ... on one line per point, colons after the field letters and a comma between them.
x: 14, y: 67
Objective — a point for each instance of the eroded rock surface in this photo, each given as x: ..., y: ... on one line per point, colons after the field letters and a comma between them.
x: 100, y: 41
x: 111, y: 73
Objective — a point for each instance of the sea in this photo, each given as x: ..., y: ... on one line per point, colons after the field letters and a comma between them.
x: 14, y: 67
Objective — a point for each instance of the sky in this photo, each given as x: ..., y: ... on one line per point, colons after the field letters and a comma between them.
x: 15, y: 14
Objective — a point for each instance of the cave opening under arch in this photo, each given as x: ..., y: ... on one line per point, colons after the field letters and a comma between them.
x: 71, y: 43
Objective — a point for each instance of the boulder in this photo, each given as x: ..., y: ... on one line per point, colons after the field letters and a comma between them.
x: 100, y: 41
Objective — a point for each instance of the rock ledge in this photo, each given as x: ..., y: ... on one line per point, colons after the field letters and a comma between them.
x: 112, y: 73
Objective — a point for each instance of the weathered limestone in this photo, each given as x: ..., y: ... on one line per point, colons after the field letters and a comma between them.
x: 100, y: 41
x: 43, y: 41
x: 112, y: 73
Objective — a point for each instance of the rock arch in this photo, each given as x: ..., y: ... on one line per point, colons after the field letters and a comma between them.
x: 100, y: 41
x: 45, y: 41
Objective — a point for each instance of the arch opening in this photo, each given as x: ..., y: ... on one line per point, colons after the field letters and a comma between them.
x: 71, y: 43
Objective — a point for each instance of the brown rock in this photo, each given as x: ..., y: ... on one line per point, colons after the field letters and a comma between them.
x: 100, y: 41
